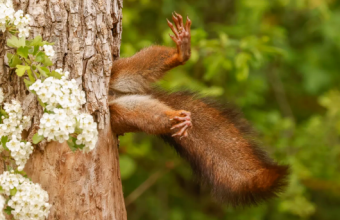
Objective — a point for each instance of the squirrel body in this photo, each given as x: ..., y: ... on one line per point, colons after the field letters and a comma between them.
x: 214, y: 139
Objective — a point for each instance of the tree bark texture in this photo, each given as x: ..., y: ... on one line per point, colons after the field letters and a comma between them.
x: 87, y: 37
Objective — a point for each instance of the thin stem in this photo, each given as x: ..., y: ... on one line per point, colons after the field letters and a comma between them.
x: 35, y: 76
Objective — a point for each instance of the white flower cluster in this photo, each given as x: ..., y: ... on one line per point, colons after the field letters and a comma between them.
x: 89, y: 135
x: 20, y: 151
x: 59, y: 93
x: 15, y: 123
x: 57, y: 126
x: 30, y: 200
x: 49, y: 50
x: 21, y: 22
x: 10, y: 180
x: 9, y: 17
x: 6, y: 13
x: 64, y: 75
x: 1, y: 96
x: 64, y: 99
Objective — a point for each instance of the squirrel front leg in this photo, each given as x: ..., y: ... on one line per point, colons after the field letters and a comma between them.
x: 142, y: 113
x: 134, y: 74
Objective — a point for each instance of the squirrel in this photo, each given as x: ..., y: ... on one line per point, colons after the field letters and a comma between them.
x: 214, y: 139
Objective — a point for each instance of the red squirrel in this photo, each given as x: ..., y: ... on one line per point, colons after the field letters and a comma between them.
x: 213, y: 139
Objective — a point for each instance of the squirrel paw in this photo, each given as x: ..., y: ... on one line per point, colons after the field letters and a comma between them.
x: 182, y: 36
x: 184, y: 123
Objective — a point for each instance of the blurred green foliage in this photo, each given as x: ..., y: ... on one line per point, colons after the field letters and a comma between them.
x: 276, y: 60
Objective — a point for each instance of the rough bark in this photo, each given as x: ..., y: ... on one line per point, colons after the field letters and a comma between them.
x: 87, y: 38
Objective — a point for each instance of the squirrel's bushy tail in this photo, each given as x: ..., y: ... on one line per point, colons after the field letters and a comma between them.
x: 222, y: 154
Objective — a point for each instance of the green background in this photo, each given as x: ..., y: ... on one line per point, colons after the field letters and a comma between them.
x: 276, y: 60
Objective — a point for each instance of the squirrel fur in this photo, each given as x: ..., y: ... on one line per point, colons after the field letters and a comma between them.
x: 214, y: 139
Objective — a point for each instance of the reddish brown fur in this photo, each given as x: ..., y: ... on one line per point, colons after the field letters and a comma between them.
x: 145, y: 67
x: 136, y: 113
x: 222, y: 154
x: 218, y: 146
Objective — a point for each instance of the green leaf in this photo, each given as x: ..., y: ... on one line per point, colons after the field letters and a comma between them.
x: 21, y: 70
x: 13, y: 191
x: 37, y: 138
x: 4, y: 140
x: 9, y: 168
x: 47, y: 61
x: 78, y: 130
x: 44, y: 71
x: 55, y: 74
x: 37, y: 41
x: 73, y: 145
x: 28, y: 61
x: 4, y: 113
x: 28, y: 83
x: 8, y: 210
x: 23, y: 51
x: 31, y: 50
x: 81, y: 146
x: 41, y: 103
x: 13, y: 60
x: 15, y: 42
x: 34, y: 50
x: 9, y: 56
x: 40, y: 57
x: 22, y: 173
x: 29, y: 73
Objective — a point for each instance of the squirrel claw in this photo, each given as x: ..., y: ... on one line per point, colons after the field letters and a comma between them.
x: 184, y: 123
x: 181, y: 35
x: 181, y: 132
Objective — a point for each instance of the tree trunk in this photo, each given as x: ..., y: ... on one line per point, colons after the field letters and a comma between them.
x: 87, y: 38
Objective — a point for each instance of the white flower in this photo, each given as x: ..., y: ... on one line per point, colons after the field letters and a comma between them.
x: 24, y: 32
x: 18, y: 16
x: 10, y: 18
x: 49, y: 50
x: 36, y: 86
x: 8, y: 3
x: 20, y: 151
x: 54, y: 92
x: 57, y: 126
x: 6, y: 12
x: 46, y: 120
x: 9, y: 180
x: 30, y: 199
x: 26, y: 122
x: 60, y: 71
x: 15, y: 123
x: 89, y: 135
x: 13, y: 145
